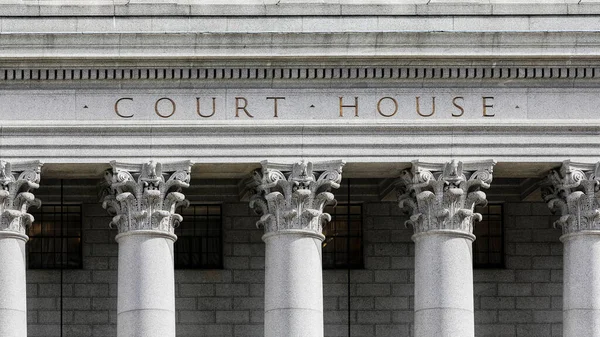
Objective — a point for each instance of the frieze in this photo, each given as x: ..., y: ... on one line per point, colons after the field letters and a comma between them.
x: 386, y: 105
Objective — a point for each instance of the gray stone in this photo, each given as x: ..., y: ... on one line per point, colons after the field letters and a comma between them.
x: 291, y: 199
x: 144, y: 204
x: 571, y: 190
x: 440, y: 199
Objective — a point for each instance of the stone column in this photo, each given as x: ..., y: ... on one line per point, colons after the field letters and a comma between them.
x: 16, y: 183
x: 440, y: 199
x: 572, y: 191
x: 291, y: 200
x: 143, y: 199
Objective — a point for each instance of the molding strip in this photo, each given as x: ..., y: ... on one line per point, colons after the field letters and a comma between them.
x: 302, y: 73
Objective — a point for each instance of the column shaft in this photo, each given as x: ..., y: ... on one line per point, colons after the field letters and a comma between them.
x: 146, y: 290
x: 13, y: 304
x: 443, y: 284
x: 143, y: 199
x: 581, y: 290
x: 290, y: 199
x: 293, y: 284
x: 571, y: 191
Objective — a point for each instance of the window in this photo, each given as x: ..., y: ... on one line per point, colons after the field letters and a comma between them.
x: 55, y: 237
x: 342, y: 247
x: 199, y: 238
x: 488, y: 248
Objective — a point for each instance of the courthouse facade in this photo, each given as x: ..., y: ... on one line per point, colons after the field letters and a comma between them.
x: 299, y: 168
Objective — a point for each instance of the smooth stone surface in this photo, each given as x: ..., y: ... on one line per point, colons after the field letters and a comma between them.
x: 386, y: 105
x: 444, y: 284
x: 581, y: 289
x: 331, y: 8
x: 146, y: 290
x: 13, y: 304
x: 146, y: 323
x: 294, y: 280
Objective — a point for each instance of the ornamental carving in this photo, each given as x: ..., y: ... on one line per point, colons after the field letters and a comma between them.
x: 146, y: 196
x: 292, y: 196
x: 571, y: 191
x: 444, y: 196
x: 17, y: 180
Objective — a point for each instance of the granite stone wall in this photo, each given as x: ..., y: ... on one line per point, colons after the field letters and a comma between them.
x: 522, y: 300
x: 525, y: 299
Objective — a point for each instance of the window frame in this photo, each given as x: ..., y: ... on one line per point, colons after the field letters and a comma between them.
x: 502, y: 252
x: 220, y: 237
x: 39, y: 217
x: 360, y: 253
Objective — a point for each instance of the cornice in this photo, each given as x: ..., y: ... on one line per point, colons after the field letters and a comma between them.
x: 292, y: 8
x: 277, y: 46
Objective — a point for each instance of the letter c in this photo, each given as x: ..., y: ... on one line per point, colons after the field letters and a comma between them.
x: 117, y: 107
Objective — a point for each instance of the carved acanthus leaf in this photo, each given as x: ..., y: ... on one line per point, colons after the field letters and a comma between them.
x: 443, y: 196
x: 17, y: 181
x: 293, y: 196
x: 146, y: 196
x: 571, y: 192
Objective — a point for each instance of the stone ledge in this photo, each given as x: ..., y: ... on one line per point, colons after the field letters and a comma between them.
x: 294, y: 8
x: 251, y: 142
x: 296, y: 24
x: 243, y: 46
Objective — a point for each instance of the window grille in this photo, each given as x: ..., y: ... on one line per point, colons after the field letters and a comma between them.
x: 342, y: 247
x: 488, y: 248
x: 199, y: 242
x: 55, y: 237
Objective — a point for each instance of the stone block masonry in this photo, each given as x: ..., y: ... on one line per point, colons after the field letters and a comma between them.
x: 524, y: 299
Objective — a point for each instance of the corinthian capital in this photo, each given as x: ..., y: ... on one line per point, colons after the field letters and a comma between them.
x: 17, y: 180
x: 444, y: 196
x: 571, y: 192
x: 292, y: 196
x: 146, y: 196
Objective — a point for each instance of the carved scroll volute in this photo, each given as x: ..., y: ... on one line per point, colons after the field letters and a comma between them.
x: 293, y: 196
x: 17, y: 181
x: 146, y: 196
x: 571, y: 192
x: 444, y: 196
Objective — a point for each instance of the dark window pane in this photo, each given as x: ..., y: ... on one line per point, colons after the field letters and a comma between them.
x: 488, y: 248
x: 200, y: 234
x: 356, y: 209
x: 342, y: 247
x: 55, y: 237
